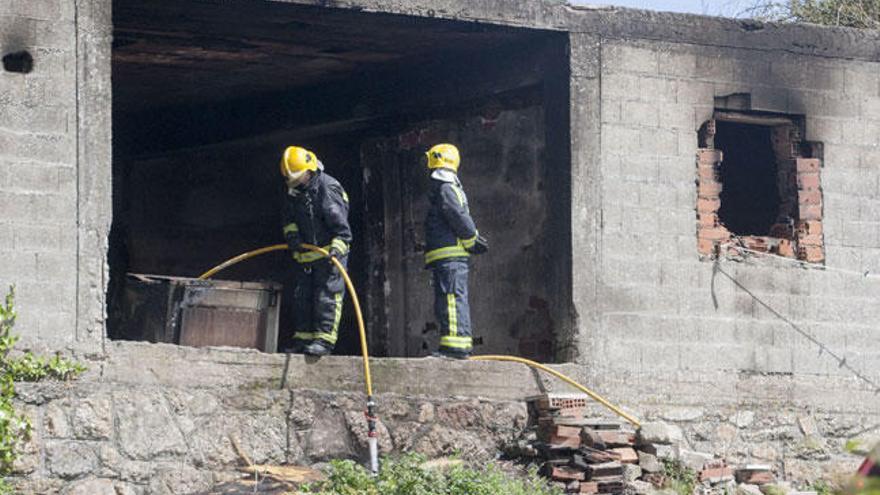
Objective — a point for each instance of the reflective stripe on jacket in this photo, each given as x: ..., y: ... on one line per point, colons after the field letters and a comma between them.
x: 316, y: 213
x: 449, y: 228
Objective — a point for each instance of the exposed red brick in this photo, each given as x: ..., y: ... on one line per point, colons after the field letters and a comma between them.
x: 755, y: 477
x: 564, y: 431
x: 716, y: 473
x: 707, y: 219
x: 706, y: 155
x: 558, y: 442
x: 706, y: 205
x: 616, y: 438
x: 808, y: 181
x: 810, y: 197
x: 572, y: 412
x: 566, y: 473
x: 810, y: 212
x: 808, y: 165
x: 757, y: 243
x: 705, y: 172
x: 810, y: 240
x: 709, y: 189
x: 785, y: 248
x: 810, y: 227
x: 705, y: 246
x: 811, y: 254
x: 714, y: 234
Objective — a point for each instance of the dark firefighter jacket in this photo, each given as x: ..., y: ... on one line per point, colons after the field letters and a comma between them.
x: 316, y: 213
x: 449, y: 229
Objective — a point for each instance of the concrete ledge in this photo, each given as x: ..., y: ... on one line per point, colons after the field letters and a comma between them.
x: 187, y: 367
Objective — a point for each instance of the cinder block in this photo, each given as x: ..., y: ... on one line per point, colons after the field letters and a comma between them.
x: 42, y: 9
x: 677, y: 62
x: 6, y: 237
x: 33, y: 177
x: 660, y: 141
x: 697, y: 93
x: 640, y: 114
x: 798, y: 73
x: 53, y: 34
x: 620, y: 86
x: 620, y: 139
x: 37, y: 238
x: 714, y: 68
x: 826, y: 130
x: 656, y: 89
x: 617, y: 56
x: 862, y: 81
x: 869, y: 107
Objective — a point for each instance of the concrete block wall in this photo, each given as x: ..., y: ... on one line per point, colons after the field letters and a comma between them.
x: 38, y: 169
x: 656, y: 310
x: 55, y: 169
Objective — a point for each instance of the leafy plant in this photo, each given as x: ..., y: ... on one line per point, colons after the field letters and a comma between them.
x: 850, y: 13
x: 680, y: 478
x: 408, y: 475
x: 15, y: 428
x: 821, y: 487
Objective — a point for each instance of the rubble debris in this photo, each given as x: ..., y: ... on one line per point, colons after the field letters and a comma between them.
x: 587, y: 455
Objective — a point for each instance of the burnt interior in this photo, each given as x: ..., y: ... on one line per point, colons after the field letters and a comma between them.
x: 206, y: 95
x: 750, y: 198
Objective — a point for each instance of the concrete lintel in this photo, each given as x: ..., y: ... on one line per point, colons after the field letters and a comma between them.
x: 625, y: 23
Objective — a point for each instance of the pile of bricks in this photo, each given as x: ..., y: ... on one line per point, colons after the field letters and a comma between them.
x: 587, y: 455
x: 580, y: 455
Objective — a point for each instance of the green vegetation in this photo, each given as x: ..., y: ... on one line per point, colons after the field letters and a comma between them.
x: 681, y: 479
x: 15, y: 428
x: 408, y: 475
x: 821, y: 487
x: 850, y: 13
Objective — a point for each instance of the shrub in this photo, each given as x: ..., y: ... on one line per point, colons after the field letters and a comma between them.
x: 407, y: 475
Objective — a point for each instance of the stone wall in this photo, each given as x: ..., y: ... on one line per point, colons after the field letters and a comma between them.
x: 155, y: 418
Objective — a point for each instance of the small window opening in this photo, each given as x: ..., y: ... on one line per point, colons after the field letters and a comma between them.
x: 21, y: 62
x: 758, y: 187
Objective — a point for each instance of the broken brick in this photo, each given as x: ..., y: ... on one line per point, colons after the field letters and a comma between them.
x: 557, y: 442
x: 811, y: 254
x: 757, y: 243
x: 588, y: 487
x: 811, y: 197
x: 707, y: 219
x: 808, y: 165
x: 708, y: 205
x: 705, y: 246
x: 566, y: 473
x: 613, y: 438
x: 706, y: 155
x: 627, y: 455
x: 709, y: 189
x: 811, y: 227
x: 781, y: 231
x: 810, y: 212
x: 810, y: 240
x: 808, y: 181
x: 714, y: 234
x: 716, y: 474
x: 785, y: 248
x: 754, y: 477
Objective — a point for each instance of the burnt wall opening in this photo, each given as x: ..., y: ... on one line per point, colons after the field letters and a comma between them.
x: 207, y: 95
x: 750, y: 197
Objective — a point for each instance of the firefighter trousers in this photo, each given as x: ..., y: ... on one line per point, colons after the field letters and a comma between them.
x: 317, y: 302
x: 451, y: 306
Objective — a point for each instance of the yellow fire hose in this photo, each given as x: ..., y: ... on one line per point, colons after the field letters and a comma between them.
x: 371, y: 417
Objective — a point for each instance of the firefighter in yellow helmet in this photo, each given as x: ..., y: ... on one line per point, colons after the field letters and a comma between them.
x: 315, y: 211
x: 451, y: 237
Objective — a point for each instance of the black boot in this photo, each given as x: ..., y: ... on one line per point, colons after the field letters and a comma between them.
x: 318, y: 348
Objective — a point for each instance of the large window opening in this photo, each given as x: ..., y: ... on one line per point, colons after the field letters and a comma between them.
x: 206, y: 95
